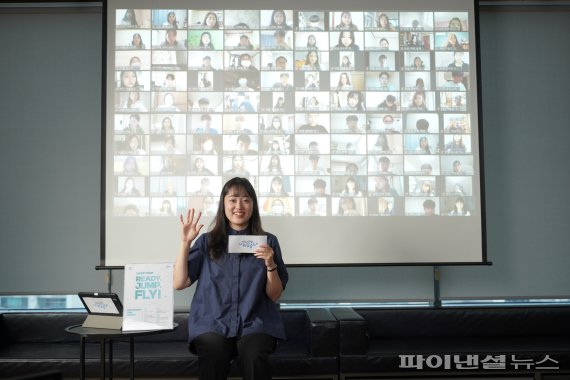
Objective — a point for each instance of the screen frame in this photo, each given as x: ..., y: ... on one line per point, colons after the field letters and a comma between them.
x: 335, y: 6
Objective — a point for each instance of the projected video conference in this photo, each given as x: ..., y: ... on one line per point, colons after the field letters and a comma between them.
x: 327, y: 113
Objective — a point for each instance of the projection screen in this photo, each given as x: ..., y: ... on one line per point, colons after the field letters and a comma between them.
x: 357, y: 123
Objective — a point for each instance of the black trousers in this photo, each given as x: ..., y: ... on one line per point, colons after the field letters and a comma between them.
x: 216, y: 352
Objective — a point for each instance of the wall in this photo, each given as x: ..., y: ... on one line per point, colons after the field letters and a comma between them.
x: 50, y: 143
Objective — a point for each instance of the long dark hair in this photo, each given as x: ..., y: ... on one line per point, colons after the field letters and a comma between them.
x: 218, y: 236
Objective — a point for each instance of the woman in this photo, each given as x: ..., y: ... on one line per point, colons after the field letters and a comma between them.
x: 279, y: 20
x: 418, y: 101
x: 233, y: 310
x: 383, y: 22
x: 312, y: 61
x: 354, y: 101
x: 211, y: 21
x: 276, y: 125
x: 346, y: 41
x: 459, y: 208
x: 452, y: 43
x: 456, y: 145
x: 346, y: 22
x: 199, y: 167
x: 129, y: 80
x: 351, y: 188
x: 166, y: 208
x: 137, y: 42
x: 345, y: 63
x: 274, y: 166
x: 347, y: 207
x: 206, y: 41
x: 167, y: 126
x: 423, y: 146
x: 418, y: 64
x: 344, y: 82
x: 171, y: 22
x: 129, y: 19
x: 381, y: 144
x: 129, y: 188
x: 312, y: 42
x: 134, y: 102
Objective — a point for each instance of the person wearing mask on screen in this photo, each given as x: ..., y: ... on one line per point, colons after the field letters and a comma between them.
x: 229, y: 322
x: 245, y: 62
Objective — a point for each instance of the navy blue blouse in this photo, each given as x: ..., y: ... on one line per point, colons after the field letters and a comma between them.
x: 230, y: 296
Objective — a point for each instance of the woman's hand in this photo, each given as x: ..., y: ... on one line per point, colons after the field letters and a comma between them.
x: 265, y: 253
x: 190, y: 227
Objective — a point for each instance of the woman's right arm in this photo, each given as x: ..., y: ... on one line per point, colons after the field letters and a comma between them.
x: 190, y: 230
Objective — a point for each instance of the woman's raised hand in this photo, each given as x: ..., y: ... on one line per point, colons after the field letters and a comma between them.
x: 191, y: 227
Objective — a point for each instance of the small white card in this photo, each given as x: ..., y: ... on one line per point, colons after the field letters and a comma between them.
x: 245, y: 243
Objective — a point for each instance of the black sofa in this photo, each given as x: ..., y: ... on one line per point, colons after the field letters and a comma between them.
x: 379, y: 343
x: 35, y: 343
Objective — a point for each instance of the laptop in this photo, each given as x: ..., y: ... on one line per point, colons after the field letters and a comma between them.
x: 104, y: 310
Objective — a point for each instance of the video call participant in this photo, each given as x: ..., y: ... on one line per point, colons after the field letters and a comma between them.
x: 226, y: 321
x: 312, y: 125
x: 283, y: 84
